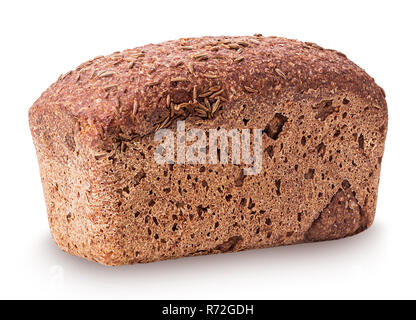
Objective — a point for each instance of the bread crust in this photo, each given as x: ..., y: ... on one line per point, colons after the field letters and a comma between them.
x: 101, y: 92
x: 99, y: 118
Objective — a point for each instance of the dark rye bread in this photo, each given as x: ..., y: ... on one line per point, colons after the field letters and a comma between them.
x: 324, y: 121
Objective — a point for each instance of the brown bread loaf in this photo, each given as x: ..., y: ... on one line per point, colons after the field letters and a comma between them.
x: 324, y: 123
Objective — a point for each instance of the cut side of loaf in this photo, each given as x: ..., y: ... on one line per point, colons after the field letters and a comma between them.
x: 323, y: 121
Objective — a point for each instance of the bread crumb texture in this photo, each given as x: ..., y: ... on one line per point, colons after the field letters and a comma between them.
x: 324, y: 124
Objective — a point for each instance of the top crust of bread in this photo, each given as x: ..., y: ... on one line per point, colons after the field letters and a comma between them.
x: 126, y: 92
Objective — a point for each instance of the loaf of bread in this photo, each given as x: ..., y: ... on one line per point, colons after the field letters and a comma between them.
x: 323, y: 122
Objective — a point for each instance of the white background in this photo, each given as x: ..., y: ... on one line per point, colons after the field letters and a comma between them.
x: 42, y: 39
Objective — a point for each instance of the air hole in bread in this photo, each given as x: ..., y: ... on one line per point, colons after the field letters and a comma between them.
x: 229, y: 245
x: 270, y: 151
x: 303, y: 141
x: 240, y: 179
x: 310, y: 174
x: 200, y: 210
x: 275, y: 126
x: 361, y: 142
x: 243, y: 202
x: 324, y: 109
x: 251, y: 204
x: 277, y: 184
